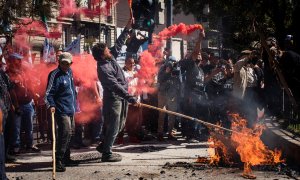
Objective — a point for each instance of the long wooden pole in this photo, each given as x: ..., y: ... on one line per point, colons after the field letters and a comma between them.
x: 53, y: 146
x: 189, y: 118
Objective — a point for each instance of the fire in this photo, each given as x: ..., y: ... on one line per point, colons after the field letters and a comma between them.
x: 213, y: 153
x: 245, y: 142
x: 249, y: 145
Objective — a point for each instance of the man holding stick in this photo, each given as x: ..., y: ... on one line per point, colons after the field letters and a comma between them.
x: 61, y: 99
x: 115, y: 93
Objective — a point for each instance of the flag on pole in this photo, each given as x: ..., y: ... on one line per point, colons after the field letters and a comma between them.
x: 51, y: 54
x: 29, y: 57
x: 46, y: 51
x: 74, y: 47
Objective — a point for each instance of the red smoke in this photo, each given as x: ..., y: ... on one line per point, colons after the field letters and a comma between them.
x: 96, y: 7
x: 154, y: 54
x: 29, y: 27
x: 85, y: 75
x: 85, y: 70
x: 68, y: 7
x: 147, y: 73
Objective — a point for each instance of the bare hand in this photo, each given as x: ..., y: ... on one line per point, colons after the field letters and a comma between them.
x: 137, y: 104
x: 52, y: 109
x: 201, y: 34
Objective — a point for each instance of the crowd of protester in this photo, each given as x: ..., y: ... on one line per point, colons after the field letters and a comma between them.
x: 200, y: 85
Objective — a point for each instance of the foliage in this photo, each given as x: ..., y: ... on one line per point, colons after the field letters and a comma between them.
x: 277, y: 17
x: 11, y: 10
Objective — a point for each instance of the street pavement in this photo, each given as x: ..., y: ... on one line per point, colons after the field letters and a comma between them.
x: 148, y: 160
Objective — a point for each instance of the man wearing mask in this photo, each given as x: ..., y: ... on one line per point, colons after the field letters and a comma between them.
x: 115, y: 93
x: 60, y: 99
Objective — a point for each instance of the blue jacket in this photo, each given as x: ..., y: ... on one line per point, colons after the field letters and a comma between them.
x: 111, y: 74
x: 60, y: 92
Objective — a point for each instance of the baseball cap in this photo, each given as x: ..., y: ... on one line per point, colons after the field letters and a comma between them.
x: 172, y: 59
x: 65, y: 56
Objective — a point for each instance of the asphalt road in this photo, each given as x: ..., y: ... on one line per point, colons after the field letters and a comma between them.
x: 149, y: 160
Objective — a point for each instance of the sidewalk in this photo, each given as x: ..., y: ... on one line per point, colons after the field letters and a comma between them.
x: 275, y: 137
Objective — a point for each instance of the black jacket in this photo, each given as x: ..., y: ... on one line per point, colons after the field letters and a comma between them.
x: 111, y: 74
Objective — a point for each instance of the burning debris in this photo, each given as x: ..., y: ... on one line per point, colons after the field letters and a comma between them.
x: 242, y: 146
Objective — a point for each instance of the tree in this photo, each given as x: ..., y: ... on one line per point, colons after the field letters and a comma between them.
x: 277, y: 17
x: 12, y: 10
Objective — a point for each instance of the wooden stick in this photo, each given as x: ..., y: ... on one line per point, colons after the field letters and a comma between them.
x: 189, y: 118
x: 53, y: 146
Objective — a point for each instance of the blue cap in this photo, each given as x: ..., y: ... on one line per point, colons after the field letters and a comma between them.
x: 15, y: 56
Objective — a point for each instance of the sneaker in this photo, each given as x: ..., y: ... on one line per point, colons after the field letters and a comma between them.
x: 111, y: 158
x: 70, y: 163
x: 99, y: 148
x: 192, y: 140
x: 60, y: 167
x: 34, y: 149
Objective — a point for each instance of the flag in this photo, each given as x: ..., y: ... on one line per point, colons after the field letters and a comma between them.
x: 51, y: 54
x: 74, y: 47
x: 46, y: 50
x: 29, y: 57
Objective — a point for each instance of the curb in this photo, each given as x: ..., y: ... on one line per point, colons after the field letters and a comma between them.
x: 288, y: 143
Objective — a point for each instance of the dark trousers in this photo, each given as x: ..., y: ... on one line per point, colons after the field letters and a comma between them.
x: 195, y: 106
x: 2, y: 158
x: 65, y: 130
x: 2, y: 150
x: 114, y: 114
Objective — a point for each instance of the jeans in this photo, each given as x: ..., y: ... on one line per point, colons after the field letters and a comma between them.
x: 114, y: 114
x: 169, y: 104
x: 2, y: 158
x: 65, y: 130
x: 23, y: 121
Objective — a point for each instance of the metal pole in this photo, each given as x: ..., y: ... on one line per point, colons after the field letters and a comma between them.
x: 169, y: 21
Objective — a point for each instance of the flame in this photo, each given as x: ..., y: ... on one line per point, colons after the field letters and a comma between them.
x: 213, y: 154
x: 249, y: 145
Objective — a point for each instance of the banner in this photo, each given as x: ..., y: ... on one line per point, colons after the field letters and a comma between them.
x: 74, y: 47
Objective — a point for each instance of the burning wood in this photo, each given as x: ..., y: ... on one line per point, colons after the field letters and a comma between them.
x: 245, y: 141
x: 250, y: 148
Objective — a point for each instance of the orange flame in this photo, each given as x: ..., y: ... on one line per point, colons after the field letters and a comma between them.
x: 249, y: 145
x: 213, y: 154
